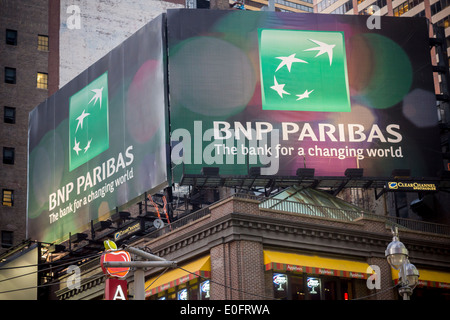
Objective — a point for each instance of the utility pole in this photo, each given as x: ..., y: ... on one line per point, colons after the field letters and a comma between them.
x: 151, y: 261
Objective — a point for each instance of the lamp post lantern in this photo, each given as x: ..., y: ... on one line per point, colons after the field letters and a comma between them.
x: 397, y: 256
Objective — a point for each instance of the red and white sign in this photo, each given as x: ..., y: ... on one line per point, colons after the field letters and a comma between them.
x: 116, y: 289
x: 119, y: 255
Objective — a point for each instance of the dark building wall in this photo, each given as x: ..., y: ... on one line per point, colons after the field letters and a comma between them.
x: 53, y: 55
x: 30, y: 19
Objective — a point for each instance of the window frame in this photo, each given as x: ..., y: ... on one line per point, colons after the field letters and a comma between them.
x: 7, y: 39
x: 8, y: 159
x: 43, y: 45
x: 10, y: 236
x: 42, y: 84
x: 7, y: 79
x: 5, y: 199
x: 9, y: 119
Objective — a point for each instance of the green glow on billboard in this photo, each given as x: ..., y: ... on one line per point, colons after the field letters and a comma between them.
x: 88, y: 122
x: 303, y: 71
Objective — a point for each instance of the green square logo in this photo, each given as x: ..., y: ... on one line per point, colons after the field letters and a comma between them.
x: 303, y: 70
x: 88, y: 122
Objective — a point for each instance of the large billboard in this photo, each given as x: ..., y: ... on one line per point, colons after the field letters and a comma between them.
x: 285, y: 91
x: 101, y: 140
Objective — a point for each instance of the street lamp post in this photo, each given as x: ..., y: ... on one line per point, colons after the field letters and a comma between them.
x: 397, y: 256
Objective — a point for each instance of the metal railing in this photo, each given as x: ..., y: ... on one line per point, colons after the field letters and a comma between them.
x: 347, y: 215
x: 350, y: 215
x: 310, y: 209
x: 180, y: 222
x: 421, y: 226
x: 314, y: 211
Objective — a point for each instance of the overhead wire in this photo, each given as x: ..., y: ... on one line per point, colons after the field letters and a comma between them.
x: 156, y: 279
x: 375, y: 293
x: 199, y: 276
x: 70, y: 261
x: 66, y: 262
x: 52, y: 263
x: 48, y: 284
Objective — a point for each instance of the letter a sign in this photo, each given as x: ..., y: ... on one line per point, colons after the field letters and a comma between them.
x: 115, y: 289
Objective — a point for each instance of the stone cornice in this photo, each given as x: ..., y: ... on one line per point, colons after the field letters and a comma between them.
x: 299, y: 235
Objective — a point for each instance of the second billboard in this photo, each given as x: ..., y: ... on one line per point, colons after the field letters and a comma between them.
x: 100, y: 141
x: 287, y: 91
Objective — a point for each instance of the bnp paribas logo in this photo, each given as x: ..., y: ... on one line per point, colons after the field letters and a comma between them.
x: 88, y: 122
x: 303, y: 70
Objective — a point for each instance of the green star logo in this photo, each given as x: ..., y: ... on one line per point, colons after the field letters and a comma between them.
x: 88, y: 122
x: 303, y: 70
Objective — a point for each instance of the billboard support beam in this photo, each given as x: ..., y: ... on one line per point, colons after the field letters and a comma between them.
x: 341, y: 186
x: 378, y: 195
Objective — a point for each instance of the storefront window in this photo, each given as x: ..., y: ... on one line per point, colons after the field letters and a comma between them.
x: 280, y: 283
x: 192, y: 290
x: 346, y: 290
x: 204, y: 290
x: 297, y: 288
x: 183, y: 294
x: 330, y: 290
x: 431, y: 294
x: 171, y: 295
x: 314, y: 288
x: 294, y: 286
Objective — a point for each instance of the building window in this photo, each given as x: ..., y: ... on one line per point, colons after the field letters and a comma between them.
x: 421, y: 14
x: 42, y: 42
x: 11, y: 37
x: 10, y: 75
x: 9, y: 115
x: 42, y: 80
x: 408, y: 5
x: 7, y: 239
x: 280, y: 284
x: 294, y: 286
x: 7, y: 197
x: 204, y: 290
x: 444, y: 22
x: 8, y: 155
x: 192, y: 290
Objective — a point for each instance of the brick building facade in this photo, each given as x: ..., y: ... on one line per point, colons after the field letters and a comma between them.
x: 24, y: 75
x: 241, y: 246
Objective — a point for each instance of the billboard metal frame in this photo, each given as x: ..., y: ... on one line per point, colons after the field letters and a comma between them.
x: 334, y: 184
